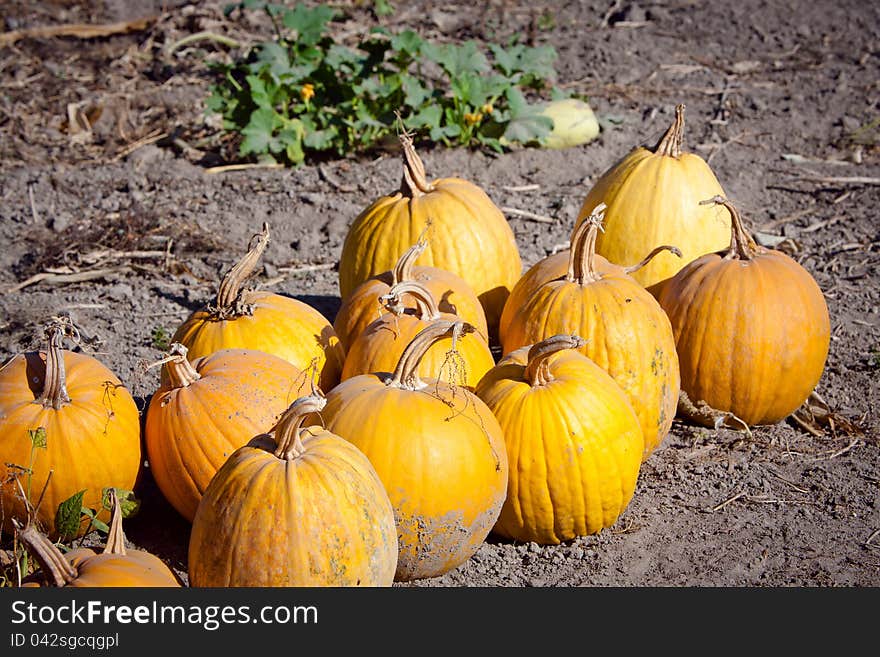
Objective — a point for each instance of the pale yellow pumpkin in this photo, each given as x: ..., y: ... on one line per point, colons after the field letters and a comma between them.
x: 653, y: 198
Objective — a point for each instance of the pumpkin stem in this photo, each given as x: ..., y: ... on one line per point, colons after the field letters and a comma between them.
x: 644, y: 261
x: 115, y: 537
x: 403, y: 269
x: 537, y: 371
x: 55, y: 381
x: 288, y: 430
x: 229, y: 301
x: 180, y: 371
x: 742, y: 246
x: 415, y: 181
x: 406, y: 374
x: 51, y: 561
x: 670, y: 142
x: 426, y: 305
x: 582, y: 258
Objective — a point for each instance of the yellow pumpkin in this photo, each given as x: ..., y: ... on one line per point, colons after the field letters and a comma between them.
x: 653, y: 197
x: 262, y: 320
x: 67, y: 424
x: 468, y: 235
x: 207, y: 409
x: 298, y: 506
x: 452, y: 293
x: 574, y: 442
x: 380, y: 345
x: 438, y: 450
x: 626, y: 331
x: 114, y: 566
x: 751, y: 328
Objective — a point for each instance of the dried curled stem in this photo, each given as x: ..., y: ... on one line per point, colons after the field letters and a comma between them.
x: 742, y: 246
x: 230, y: 301
x: 670, y: 143
x: 288, y: 430
x: 537, y: 371
x: 406, y: 373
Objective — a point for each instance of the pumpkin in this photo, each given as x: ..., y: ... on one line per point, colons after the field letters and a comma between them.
x: 114, y: 566
x: 626, y: 331
x: 653, y: 197
x: 468, y: 235
x: 258, y: 319
x: 207, y: 409
x: 452, y: 293
x: 381, y: 344
x: 751, y: 328
x: 574, y: 442
x: 438, y: 450
x: 298, y: 506
x: 67, y: 424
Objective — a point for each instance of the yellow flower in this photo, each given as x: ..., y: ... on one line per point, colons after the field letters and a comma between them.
x: 307, y: 91
x: 471, y: 119
x: 487, y: 108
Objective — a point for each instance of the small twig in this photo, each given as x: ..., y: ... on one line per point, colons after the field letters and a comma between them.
x: 611, y: 11
x: 78, y: 30
x: 34, y: 213
x: 786, y: 219
x: 151, y: 138
x: 841, y: 452
x: 241, y: 167
x: 839, y: 180
x: 303, y: 268
x: 202, y: 36
x: 728, y: 501
x: 56, y: 279
x: 520, y: 188
x: 525, y: 214
x: 873, y: 535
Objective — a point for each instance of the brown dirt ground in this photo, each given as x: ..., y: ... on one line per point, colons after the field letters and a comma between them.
x: 783, y: 101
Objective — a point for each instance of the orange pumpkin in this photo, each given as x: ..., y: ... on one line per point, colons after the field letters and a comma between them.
x: 468, y: 235
x: 90, y: 425
x: 115, y: 566
x: 298, y: 506
x: 653, y: 197
x: 626, y: 331
x: 207, y: 409
x: 574, y: 442
x: 751, y: 328
x: 257, y: 319
x: 452, y: 293
x: 438, y: 450
x: 381, y: 344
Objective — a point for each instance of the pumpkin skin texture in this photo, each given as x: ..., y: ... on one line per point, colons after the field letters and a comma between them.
x: 468, y: 235
x: 297, y: 507
x: 574, y: 442
x: 382, y: 343
x: 207, y: 409
x: 752, y: 329
x: 265, y: 321
x: 92, y: 424
x: 453, y: 295
x: 625, y: 330
x: 438, y: 450
x: 653, y: 198
x: 115, y: 566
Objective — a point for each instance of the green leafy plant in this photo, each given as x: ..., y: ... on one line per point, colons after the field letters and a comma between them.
x: 70, y: 512
x: 161, y: 338
x: 302, y: 93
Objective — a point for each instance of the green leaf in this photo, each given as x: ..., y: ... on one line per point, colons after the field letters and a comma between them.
x: 414, y: 93
x: 408, y: 42
x: 309, y: 23
x: 97, y: 524
x: 457, y: 59
x: 69, y: 515
x: 259, y: 133
x: 320, y: 140
x: 129, y: 504
x: 427, y: 117
x: 38, y: 437
x: 526, y: 124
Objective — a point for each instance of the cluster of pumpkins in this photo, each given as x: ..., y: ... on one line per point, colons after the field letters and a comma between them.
x: 387, y: 445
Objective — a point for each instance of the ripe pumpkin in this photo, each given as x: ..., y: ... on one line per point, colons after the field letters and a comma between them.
x: 626, y: 331
x: 468, y: 235
x: 298, y: 506
x: 453, y: 295
x: 380, y: 345
x: 257, y: 319
x: 115, y: 566
x: 653, y: 197
x: 438, y: 450
x: 92, y: 433
x: 574, y: 442
x: 751, y: 328
x: 207, y: 409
